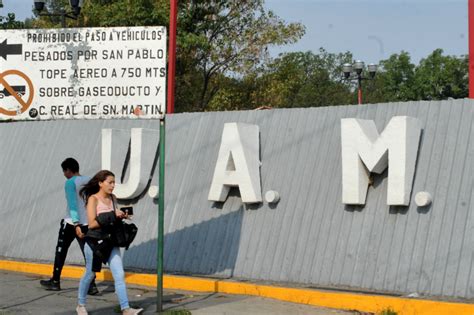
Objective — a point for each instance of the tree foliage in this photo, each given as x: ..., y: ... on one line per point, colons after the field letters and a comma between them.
x: 125, y: 13
x: 441, y: 77
x: 223, y: 61
x: 395, y: 80
x: 9, y: 22
x: 303, y: 80
x: 436, y: 77
x: 216, y: 38
x: 49, y: 17
x: 227, y: 37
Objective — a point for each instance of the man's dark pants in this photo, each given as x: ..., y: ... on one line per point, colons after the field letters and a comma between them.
x: 67, y: 234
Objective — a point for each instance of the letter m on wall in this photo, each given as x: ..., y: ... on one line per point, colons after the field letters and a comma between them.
x: 364, y: 151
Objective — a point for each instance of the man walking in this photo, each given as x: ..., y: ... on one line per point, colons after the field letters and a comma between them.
x: 73, y: 226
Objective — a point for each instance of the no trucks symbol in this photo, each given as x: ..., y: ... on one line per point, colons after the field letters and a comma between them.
x: 15, y: 93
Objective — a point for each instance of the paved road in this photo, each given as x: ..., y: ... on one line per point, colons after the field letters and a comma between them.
x: 22, y: 294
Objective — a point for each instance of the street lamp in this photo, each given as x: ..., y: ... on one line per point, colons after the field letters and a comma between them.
x: 354, y: 72
x: 75, y: 10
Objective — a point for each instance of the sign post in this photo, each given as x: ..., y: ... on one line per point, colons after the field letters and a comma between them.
x: 161, y: 215
x: 83, y: 73
x: 91, y: 73
x: 470, y: 8
x: 161, y: 195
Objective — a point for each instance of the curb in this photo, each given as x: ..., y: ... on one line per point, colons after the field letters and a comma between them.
x: 338, y: 300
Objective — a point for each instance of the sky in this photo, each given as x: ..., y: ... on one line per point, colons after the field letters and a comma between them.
x: 375, y: 29
x: 371, y: 29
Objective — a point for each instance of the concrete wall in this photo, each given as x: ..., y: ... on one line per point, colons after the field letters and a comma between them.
x: 309, y: 237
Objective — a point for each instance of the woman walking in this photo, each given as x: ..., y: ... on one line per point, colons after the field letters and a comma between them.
x: 101, y: 204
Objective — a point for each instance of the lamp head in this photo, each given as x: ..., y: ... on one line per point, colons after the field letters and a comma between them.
x: 76, y: 6
x: 358, y: 66
x: 347, y: 69
x: 1, y: 4
x: 372, y: 67
x: 39, y: 5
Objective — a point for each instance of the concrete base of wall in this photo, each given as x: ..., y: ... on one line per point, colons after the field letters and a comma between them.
x: 339, y: 300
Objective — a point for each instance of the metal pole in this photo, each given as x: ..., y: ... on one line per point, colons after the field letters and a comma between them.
x: 161, y: 212
x: 359, y: 89
x: 170, y: 110
x: 63, y: 18
x: 172, y: 54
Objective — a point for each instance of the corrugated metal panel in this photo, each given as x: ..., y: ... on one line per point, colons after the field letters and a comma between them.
x: 310, y: 237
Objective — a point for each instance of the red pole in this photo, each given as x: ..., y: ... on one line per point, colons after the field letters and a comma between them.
x: 471, y: 47
x: 359, y: 89
x: 172, y: 55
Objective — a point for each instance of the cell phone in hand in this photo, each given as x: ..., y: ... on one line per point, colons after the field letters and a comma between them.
x: 127, y: 210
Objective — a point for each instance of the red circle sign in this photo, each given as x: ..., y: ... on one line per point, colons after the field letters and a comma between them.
x: 8, y: 87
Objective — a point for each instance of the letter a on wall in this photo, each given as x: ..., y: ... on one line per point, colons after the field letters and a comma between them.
x: 396, y: 147
x: 238, y: 164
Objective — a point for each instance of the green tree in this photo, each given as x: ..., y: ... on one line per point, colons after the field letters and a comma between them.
x: 9, y: 22
x: 227, y: 37
x: 104, y: 13
x: 223, y: 61
x: 233, y: 94
x: 215, y: 38
x: 394, y: 81
x: 304, y: 80
x: 436, y: 77
x: 439, y: 77
x: 52, y: 7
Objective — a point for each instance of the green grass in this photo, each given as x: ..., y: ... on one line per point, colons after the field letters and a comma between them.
x: 388, y: 311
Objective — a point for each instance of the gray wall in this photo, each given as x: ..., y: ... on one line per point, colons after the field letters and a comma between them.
x: 308, y: 238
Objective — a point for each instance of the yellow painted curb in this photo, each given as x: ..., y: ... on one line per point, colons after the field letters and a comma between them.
x: 339, y: 300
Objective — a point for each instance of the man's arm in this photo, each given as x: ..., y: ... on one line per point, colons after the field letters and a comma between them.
x: 71, y: 198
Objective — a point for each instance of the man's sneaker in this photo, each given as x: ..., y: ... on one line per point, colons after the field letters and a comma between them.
x: 81, y: 310
x: 92, y: 289
x: 50, y: 285
x: 132, y: 311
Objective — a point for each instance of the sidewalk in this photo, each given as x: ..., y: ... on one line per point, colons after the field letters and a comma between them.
x: 22, y: 294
